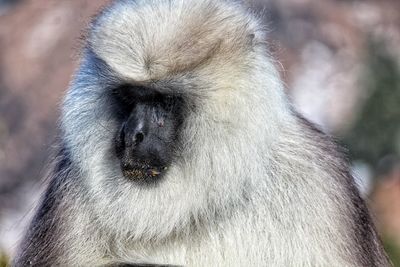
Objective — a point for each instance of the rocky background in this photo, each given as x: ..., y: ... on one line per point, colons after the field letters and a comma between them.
x: 340, y: 60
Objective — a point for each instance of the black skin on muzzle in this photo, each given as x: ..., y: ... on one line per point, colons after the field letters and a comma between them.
x: 146, y: 140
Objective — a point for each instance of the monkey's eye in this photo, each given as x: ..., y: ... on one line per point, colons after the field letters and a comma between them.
x: 168, y: 102
x: 129, y: 94
x: 124, y: 94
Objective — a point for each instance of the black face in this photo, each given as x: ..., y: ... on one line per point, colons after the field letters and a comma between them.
x: 150, y: 121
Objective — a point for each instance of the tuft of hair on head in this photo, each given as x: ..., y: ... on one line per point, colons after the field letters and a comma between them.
x: 154, y: 40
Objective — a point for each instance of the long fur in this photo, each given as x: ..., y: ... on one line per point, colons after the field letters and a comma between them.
x: 254, y: 185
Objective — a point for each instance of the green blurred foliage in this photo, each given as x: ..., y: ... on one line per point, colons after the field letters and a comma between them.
x: 3, y: 260
x: 374, y: 137
x: 375, y: 132
x: 393, y: 250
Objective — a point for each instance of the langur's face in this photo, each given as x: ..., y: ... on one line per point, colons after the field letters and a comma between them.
x: 149, y: 123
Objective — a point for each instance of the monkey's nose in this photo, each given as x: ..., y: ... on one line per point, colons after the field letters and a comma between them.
x: 134, y: 137
x: 131, y: 136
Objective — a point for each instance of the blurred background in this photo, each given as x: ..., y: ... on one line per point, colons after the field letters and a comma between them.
x: 340, y: 60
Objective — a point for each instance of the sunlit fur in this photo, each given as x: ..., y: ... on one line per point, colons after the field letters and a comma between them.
x: 253, y: 184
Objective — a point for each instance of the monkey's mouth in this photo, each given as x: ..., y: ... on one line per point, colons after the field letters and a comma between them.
x: 144, y: 172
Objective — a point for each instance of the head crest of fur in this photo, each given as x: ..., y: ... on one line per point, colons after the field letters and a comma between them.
x: 152, y: 40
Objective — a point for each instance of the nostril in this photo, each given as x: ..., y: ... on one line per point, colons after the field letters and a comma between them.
x: 139, y: 137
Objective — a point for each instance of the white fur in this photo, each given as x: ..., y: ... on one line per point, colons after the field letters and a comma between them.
x: 251, y: 187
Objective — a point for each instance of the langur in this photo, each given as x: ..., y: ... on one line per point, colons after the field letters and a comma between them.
x: 179, y: 147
